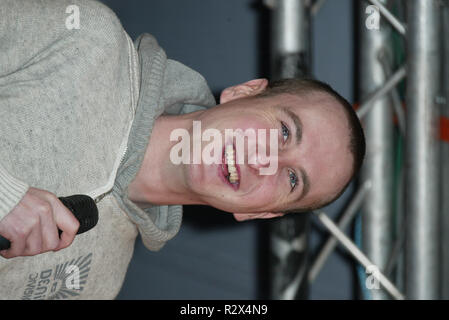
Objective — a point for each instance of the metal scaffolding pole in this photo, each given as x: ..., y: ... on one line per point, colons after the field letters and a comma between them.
x: 425, y: 224
x: 290, y: 53
x: 345, y: 219
x: 444, y: 160
x: 358, y: 254
x: 399, y: 26
x: 377, y: 210
x: 380, y: 92
x: 422, y: 150
x: 290, y: 39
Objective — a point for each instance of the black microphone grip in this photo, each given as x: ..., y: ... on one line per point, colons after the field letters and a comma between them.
x: 83, y: 208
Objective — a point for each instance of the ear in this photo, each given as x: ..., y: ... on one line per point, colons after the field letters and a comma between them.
x: 246, y: 89
x: 249, y: 216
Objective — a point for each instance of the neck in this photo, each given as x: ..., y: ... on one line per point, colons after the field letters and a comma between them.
x: 159, y: 181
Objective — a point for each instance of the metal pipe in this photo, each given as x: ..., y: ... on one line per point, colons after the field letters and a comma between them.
x: 400, y: 227
x: 399, y: 26
x: 395, y: 252
x: 290, y: 39
x: 377, y: 210
x: 332, y: 242
x: 445, y: 160
x: 422, y: 150
x: 395, y: 99
x: 357, y: 254
x: 290, y: 52
x: 366, y: 106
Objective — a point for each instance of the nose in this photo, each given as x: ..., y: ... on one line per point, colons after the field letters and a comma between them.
x: 257, y: 160
x: 266, y: 163
x: 261, y: 152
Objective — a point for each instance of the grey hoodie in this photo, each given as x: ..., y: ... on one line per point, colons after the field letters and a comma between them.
x: 77, y: 107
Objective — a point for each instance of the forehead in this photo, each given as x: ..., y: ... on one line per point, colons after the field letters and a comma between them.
x: 324, y: 149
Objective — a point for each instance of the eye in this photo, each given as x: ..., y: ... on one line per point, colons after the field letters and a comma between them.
x: 292, y: 179
x: 285, y: 131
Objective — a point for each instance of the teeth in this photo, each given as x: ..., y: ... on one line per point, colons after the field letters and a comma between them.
x: 233, y: 178
x: 230, y: 160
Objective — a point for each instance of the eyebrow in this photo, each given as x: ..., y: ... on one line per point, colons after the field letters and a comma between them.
x: 306, y: 184
x: 298, y: 134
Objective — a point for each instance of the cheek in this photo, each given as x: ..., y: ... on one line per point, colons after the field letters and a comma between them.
x: 267, y: 191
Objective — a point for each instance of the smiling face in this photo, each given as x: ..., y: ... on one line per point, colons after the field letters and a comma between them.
x: 313, y: 164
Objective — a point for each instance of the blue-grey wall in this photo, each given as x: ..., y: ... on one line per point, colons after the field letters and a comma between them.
x: 214, y: 257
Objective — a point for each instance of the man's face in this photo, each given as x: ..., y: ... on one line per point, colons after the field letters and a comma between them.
x: 313, y: 161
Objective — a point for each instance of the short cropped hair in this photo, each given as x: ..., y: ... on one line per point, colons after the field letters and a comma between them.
x: 306, y: 87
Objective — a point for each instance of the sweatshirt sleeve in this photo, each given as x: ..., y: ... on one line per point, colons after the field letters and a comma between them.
x: 12, y: 191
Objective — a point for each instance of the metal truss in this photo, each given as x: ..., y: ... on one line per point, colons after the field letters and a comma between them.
x: 419, y: 128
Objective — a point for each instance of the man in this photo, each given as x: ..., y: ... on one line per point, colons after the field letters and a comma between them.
x: 86, y: 111
x: 314, y: 151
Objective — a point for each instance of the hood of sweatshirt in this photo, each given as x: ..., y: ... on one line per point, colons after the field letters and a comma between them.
x: 166, y: 86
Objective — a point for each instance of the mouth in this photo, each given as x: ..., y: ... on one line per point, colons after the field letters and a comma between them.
x: 229, y: 167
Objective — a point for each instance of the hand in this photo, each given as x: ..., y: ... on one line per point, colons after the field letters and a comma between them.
x: 32, y: 226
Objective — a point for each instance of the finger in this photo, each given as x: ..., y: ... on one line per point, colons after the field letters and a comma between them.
x: 6, y: 235
x: 15, y: 249
x: 17, y: 238
x: 67, y: 223
x: 6, y: 252
x: 3, y: 253
x: 66, y: 239
x: 34, y: 241
x: 49, y: 230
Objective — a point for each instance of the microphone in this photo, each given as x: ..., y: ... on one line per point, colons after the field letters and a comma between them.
x: 83, y: 208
